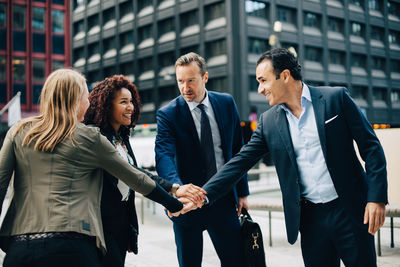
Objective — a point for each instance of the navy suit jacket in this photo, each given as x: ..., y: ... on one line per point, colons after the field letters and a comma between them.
x: 178, y: 157
x: 339, y: 122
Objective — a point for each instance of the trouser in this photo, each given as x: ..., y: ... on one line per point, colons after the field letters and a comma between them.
x: 221, y: 222
x: 329, y: 234
x: 50, y: 252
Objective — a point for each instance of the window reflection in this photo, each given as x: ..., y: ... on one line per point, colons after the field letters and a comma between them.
x: 256, y: 9
x: 3, y: 15
x: 57, y: 17
x: 38, y: 70
x: 38, y: 20
x: 19, y: 14
x: 18, y: 69
x: 3, y: 70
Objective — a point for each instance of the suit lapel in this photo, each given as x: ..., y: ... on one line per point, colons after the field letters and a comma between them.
x: 283, y: 128
x: 187, y: 120
x: 319, y: 110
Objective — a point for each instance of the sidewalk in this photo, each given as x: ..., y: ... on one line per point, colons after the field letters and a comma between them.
x: 157, y: 247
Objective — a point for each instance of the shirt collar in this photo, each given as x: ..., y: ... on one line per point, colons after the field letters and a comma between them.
x: 206, y: 102
x: 305, y: 95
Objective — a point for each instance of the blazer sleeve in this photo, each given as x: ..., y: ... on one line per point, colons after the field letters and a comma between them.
x: 225, y: 179
x: 242, y: 186
x: 165, y: 149
x: 370, y: 150
x: 7, y: 164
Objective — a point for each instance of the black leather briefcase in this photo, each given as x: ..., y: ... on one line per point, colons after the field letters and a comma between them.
x: 252, y: 241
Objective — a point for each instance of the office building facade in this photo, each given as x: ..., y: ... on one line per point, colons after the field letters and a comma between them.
x: 34, y: 40
x: 351, y: 43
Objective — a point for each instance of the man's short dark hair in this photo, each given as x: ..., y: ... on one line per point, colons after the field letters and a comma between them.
x: 282, y: 59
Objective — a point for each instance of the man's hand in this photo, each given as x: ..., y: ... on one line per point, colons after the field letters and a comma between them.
x: 374, y: 215
x: 242, y: 204
x: 188, y: 205
x: 193, y: 193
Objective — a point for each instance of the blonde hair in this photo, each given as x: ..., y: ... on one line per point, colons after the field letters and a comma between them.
x: 189, y: 58
x: 59, y: 105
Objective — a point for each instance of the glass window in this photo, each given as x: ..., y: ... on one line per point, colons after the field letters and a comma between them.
x: 38, y: 20
x: 335, y: 25
x: 3, y: 44
x: 3, y: 93
x: 57, y: 64
x: 19, y: 14
x: 19, y: 41
x: 78, y: 53
x: 393, y: 8
x: 3, y: 15
x: 313, y: 54
x: 144, y: 3
x: 146, y: 64
x: 18, y: 69
x: 126, y: 39
x: 125, y: 9
x: 93, y: 77
x: 375, y: 5
x: 357, y: 29
x: 379, y: 94
x: 217, y: 84
x: 189, y: 19
x: 257, y: 45
x: 377, y: 33
x: 109, y: 71
x: 189, y: 49
x: 359, y: 92
x: 38, y: 70
x: 78, y: 3
x: 93, y: 24
x: 395, y: 65
x: 214, y: 11
x: 20, y: 87
x: 39, y: 42
x: 57, y: 17
x: 145, y: 32
x: 165, y: 26
x: 109, y: 44
x: 359, y: 3
x: 94, y: 49
x: 253, y: 84
x: 312, y: 20
x: 358, y: 60
x: 37, y: 89
x: 166, y: 59
x: 58, y: 44
x: 109, y: 18
x: 146, y: 97
x: 216, y: 48
x: 127, y: 68
x: 167, y: 93
x: 3, y: 69
x: 337, y: 57
x: 395, y: 97
x: 394, y: 37
x: 58, y: 2
x: 378, y: 63
x: 257, y: 9
x: 287, y: 15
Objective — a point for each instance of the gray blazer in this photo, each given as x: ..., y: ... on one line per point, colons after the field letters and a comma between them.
x: 61, y: 191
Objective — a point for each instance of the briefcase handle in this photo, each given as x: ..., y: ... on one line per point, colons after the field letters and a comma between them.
x: 245, y: 213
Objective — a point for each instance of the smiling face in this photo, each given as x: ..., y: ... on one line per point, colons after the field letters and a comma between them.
x: 122, y: 109
x: 190, y: 82
x: 273, y: 89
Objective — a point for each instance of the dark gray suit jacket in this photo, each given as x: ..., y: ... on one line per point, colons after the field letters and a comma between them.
x: 339, y: 122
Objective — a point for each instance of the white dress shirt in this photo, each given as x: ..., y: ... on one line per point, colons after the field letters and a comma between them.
x: 315, y: 181
x: 196, y: 114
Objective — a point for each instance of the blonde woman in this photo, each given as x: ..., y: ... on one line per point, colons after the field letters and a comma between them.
x: 54, y: 214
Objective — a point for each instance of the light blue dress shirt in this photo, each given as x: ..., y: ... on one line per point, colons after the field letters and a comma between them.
x: 196, y: 114
x: 315, y: 181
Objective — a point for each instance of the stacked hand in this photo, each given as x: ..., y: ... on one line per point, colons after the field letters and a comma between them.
x: 191, y: 196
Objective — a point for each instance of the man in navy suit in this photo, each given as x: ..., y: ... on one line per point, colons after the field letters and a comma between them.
x: 197, y: 133
x: 310, y: 134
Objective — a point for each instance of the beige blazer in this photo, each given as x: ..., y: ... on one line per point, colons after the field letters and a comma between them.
x: 61, y: 191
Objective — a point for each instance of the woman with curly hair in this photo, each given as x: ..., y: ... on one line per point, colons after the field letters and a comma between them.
x: 115, y: 109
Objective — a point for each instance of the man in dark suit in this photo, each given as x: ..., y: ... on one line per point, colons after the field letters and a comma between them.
x: 197, y: 133
x: 327, y: 195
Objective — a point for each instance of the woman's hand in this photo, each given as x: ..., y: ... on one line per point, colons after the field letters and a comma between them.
x: 193, y: 193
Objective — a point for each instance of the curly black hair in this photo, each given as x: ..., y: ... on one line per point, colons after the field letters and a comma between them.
x: 101, y: 97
